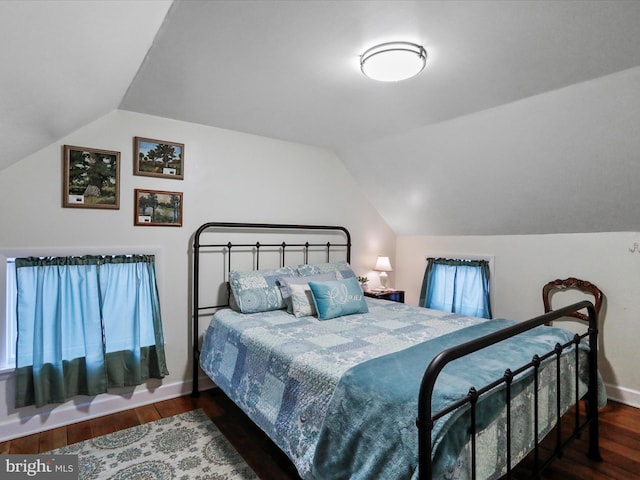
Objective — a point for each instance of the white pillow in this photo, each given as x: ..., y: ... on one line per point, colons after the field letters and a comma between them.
x: 302, y: 300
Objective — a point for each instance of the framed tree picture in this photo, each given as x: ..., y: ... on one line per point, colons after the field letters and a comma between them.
x: 158, y: 158
x: 91, y: 178
x: 157, y: 208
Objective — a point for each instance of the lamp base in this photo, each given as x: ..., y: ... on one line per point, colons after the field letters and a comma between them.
x: 383, y: 280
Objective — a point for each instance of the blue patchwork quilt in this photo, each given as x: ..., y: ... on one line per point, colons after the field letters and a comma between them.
x: 285, y: 373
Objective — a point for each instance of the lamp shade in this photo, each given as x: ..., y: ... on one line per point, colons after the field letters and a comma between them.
x: 393, y: 61
x: 383, y: 265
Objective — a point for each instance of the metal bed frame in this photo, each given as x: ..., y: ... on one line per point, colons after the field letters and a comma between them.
x: 425, y: 417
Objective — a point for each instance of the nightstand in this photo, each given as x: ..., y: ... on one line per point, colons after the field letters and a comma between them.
x: 393, y: 295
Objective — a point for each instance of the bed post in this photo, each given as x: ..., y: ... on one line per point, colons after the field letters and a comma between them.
x: 592, y: 401
x: 195, y: 391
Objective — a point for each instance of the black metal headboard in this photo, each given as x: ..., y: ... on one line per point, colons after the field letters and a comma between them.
x: 256, y: 247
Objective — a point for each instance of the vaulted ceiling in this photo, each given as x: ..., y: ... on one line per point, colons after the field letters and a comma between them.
x: 289, y: 70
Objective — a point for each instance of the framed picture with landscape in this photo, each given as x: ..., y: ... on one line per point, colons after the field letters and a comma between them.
x: 91, y: 178
x: 158, y: 158
x: 157, y: 208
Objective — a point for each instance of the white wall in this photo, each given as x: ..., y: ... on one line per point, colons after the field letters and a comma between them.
x: 524, y: 263
x: 559, y: 162
x: 229, y: 176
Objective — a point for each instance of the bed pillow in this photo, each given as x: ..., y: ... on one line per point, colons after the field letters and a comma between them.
x: 304, y: 301
x: 342, y: 269
x: 233, y: 305
x: 337, y: 298
x: 257, y: 291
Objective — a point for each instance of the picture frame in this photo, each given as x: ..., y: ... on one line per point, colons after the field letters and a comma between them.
x: 90, y: 178
x: 158, y: 158
x: 153, y: 208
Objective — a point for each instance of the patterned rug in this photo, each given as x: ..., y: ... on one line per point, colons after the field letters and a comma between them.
x: 185, y: 446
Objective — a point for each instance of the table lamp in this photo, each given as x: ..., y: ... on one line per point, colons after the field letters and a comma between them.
x: 383, y: 265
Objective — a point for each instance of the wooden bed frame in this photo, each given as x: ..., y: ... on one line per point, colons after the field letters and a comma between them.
x: 425, y: 417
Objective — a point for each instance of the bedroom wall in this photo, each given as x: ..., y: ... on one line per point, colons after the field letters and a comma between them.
x: 524, y: 263
x: 229, y: 176
x: 564, y: 161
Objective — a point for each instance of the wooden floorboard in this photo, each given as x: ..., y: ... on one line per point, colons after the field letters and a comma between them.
x: 126, y: 419
x: 52, y: 439
x: 78, y: 432
x: 619, y: 439
x: 147, y: 413
x: 103, y: 425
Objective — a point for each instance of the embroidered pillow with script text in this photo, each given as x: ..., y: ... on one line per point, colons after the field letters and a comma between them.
x: 336, y: 298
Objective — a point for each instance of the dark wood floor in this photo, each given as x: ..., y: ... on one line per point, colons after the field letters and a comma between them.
x: 619, y: 430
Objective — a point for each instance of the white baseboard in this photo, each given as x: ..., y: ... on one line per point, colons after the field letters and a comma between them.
x: 106, y: 404
x: 623, y: 395
x: 78, y: 411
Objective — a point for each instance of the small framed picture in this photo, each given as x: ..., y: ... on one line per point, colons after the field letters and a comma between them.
x: 157, y: 208
x: 158, y: 158
x: 91, y: 178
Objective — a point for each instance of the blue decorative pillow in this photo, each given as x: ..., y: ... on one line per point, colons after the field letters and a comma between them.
x: 342, y: 269
x: 257, y: 291
x: 233, y: 305
x: 303, y: 301
x: 337, y: 298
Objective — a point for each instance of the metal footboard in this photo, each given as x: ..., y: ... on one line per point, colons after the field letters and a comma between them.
x: 426, y: 418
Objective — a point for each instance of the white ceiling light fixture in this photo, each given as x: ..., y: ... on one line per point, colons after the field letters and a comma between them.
x: 393, y: 61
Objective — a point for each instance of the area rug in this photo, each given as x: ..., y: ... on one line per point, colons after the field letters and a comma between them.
x: 185, y: 446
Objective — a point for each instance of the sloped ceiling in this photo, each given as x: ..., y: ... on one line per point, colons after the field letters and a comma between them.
x: 289, y: 70
x: 65, y: 64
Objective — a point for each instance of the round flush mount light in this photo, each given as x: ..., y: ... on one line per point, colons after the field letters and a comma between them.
x: 393, y: 61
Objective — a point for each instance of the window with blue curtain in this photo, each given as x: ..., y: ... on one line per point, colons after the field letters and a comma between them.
x: 86, y: 324
x: 458, y: 286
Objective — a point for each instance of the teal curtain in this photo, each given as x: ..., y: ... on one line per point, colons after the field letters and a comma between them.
x: 458, y: 286
x: 86, y: 324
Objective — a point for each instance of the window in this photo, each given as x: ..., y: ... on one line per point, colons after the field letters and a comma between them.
x: 85, y: 324
x: 7, y: 314
x: 8, y: 292
x: 458, y: 286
